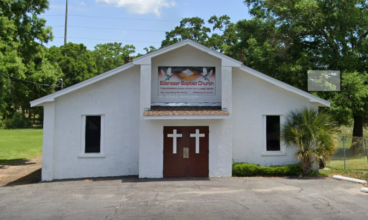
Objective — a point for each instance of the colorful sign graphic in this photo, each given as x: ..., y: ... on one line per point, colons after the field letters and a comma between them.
x: 199, y: 81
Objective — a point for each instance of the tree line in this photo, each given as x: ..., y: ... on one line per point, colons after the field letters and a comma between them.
x: 283, y: 39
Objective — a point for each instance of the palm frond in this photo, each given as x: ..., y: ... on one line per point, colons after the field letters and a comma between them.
x: 311, y: 132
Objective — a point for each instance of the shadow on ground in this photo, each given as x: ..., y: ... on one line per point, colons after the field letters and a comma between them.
x: 33, y: 177
x: 15, y: 162
x: 134, y: 178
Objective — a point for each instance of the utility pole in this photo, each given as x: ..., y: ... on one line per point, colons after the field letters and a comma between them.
x: 66, y: 22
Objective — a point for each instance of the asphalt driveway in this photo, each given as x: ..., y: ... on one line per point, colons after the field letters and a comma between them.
x: 217, y: 198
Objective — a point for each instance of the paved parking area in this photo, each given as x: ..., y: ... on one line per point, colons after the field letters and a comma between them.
x: 217, y: 198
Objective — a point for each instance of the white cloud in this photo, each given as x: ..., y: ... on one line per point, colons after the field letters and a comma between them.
x: 82, y: 3
x: 142, y: 6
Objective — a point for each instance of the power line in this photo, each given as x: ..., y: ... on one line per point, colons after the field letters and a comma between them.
x: 176, y: 6
x: 35, y: 83
x: 104, y: 28
x: 83, y: 38
x: 121, y: 18
x: 140, y: 19
x: 54, y: 15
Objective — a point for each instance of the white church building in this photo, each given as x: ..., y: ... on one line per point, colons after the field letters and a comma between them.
x: 182, y: 111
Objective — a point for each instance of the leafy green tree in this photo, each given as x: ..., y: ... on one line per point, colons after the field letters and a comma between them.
x: 312, y: 133
x: 30, y: 30
x: 189, y: 28
x: 225, y: 34
x: 22, y: 35
x: 10, y: 62
x: 76, y: 62
x: 265, y: 47
x: 269, y: 51
x: 150, y: 49
x: 325, y: 34
x: 111, y: 55
x: 351, y: 102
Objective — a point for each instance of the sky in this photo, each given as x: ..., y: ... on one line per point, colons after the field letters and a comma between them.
x: 139, y: 22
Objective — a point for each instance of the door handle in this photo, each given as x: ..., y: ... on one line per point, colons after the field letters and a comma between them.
x: 186, y: 152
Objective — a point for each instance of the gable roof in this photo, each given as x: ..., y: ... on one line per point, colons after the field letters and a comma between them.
x: 146, y: 59
x: 286, y: 86
x: 51, y: 97
x: 226, y: 60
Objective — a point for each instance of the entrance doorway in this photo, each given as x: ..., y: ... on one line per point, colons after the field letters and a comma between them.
x: 186, y: 151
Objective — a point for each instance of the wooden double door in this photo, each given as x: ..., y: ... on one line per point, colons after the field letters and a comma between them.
x: 186, y: 151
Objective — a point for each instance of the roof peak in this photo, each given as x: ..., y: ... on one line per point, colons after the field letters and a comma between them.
x: 226, y: 60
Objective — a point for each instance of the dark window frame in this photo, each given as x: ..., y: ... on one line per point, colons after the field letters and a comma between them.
x: 273, y: 140
x: 93, y: 134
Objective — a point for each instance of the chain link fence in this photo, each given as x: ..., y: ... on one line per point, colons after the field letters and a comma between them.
x: 351, y: 154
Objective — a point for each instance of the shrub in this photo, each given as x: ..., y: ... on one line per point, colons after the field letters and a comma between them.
x: 17, y: 121
x: 244, y: 169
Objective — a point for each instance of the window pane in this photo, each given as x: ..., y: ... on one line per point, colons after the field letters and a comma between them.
x: 272, y: 133
x: 93, y: 134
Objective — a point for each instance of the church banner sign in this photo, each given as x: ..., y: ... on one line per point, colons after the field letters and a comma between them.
x: 183, y: 81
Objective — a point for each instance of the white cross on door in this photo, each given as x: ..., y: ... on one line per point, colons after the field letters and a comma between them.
x: 197, y: 135
x: 174, y: 135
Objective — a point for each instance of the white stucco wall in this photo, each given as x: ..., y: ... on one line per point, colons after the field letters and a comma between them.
x: 254, y: 98
x: 117, y: 99
x: 48, y: 142
x: 185, y: 56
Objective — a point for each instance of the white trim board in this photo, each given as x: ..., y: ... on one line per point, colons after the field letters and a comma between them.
x: 186, y: 117
x: 51, y: 97
x: 285, y: 86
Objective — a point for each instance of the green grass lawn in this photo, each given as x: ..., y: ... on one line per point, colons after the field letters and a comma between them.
x: 356, y: 166
x: 357, y: 163
x: 19, y: 144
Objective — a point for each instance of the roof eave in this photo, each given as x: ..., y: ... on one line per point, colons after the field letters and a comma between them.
x: 322, y: 104
x: 287, y: 87
x: 51, y: 97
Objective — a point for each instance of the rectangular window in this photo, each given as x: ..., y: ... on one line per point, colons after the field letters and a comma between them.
x: 273, y: 133
x: 93, y: 134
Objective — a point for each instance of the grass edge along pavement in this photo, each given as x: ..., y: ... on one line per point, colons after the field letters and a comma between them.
x: 19, y: 144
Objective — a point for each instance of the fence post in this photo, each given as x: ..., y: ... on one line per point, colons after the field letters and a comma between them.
x: 343, y: 144
x: 365, y: 148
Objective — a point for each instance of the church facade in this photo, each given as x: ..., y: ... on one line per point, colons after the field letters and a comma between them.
x: 181, y: 111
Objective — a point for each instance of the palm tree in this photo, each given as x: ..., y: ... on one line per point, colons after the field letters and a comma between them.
x: 312, y: 133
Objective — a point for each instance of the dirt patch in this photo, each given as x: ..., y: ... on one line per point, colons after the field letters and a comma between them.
x: 21, y: 172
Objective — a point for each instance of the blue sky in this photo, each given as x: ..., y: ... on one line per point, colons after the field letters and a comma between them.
x: 138, y: 22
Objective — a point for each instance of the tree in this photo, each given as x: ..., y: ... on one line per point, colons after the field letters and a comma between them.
x: 22, y: 35
x: 312, y: 133
x: 333, y: 33
x: 225, y: 37
x: 75, y: 60
x: 111, y: 55
x: 10, y: 62
x: 352, y: 102
x: 150, y: 49
x: 189, y: 28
